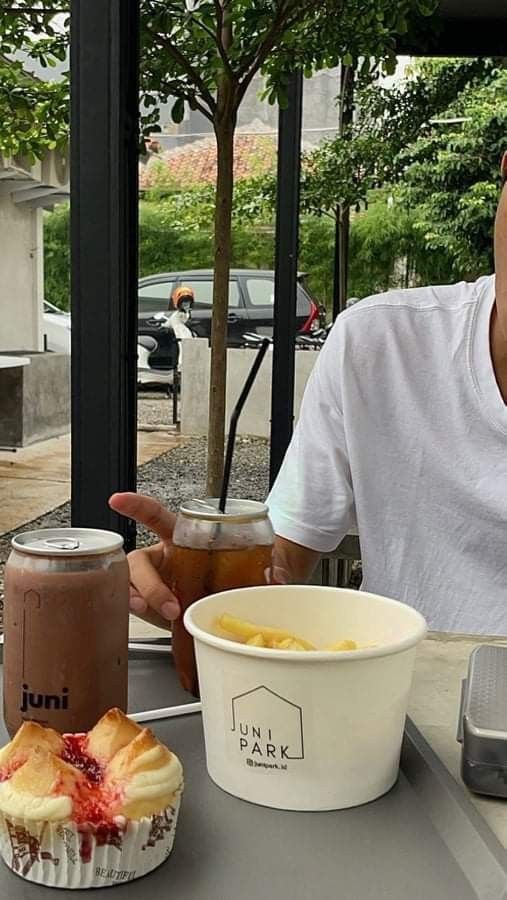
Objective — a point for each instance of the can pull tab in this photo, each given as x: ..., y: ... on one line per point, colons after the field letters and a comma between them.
x: 62, y: 543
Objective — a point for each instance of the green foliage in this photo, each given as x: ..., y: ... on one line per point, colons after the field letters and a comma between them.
x: 380, y: 240
x: 366, y: 155
x: 451, y: 181
x: 167, y: 243
x: 316, y: 255
x: 34, y: 115
x: 175, y: 233
x: 190, y: 55
x: 438, y: 229
x: 170, y: 240
x: 57, y: 256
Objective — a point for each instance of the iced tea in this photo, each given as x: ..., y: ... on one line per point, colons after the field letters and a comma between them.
x: 213, y: 553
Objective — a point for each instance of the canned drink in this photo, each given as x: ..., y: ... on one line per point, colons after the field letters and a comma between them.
x: 66, y: 628
x: 211, y: 552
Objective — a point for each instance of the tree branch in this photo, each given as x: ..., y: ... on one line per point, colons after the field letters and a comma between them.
x: 287, y: 14
x: 187, y: 67
x: 190, y: 99
x: 194, y: 103
x: 273, y: 30
x: 248, y: 71
x: 205, y: 28
x: 219, y: 9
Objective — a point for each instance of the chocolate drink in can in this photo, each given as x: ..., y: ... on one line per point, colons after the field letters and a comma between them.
x: 212, y: 552
x: 66, y: 628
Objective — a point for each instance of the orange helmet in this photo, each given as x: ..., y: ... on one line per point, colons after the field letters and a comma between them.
x: 182, y: 293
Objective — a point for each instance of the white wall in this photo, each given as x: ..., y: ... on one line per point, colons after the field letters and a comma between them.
x: 255, y: 418
x: 21, y: 276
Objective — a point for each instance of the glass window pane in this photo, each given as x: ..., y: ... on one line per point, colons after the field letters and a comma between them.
x: 151, y: 305
x: 159, y: 289
x: 154, y: 298
x: 203, y: 293
x: 303, y: 303
x: 261, y: 291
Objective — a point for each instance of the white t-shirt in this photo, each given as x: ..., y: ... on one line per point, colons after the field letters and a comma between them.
x: 403, y: 436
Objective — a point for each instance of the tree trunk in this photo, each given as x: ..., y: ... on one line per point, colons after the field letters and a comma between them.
x: 341, y: 259
x: 344, y: 274
x: 225, y: 124
x: 342, y: 213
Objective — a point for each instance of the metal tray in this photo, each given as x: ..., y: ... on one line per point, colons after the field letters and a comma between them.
x: 422, y: 841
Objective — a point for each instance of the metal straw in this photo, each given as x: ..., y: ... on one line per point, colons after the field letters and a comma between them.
x: 234, y: 421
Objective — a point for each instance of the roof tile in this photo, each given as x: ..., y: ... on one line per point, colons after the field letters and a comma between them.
x: 196, y: 163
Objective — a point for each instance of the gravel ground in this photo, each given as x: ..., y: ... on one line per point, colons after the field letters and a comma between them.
x: 172, y: 478
x: 154, y: 407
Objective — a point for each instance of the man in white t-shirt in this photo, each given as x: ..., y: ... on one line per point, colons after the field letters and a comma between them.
x: 402, y: 436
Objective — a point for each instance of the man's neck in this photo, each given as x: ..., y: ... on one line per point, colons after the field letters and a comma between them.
x: 498, y: 345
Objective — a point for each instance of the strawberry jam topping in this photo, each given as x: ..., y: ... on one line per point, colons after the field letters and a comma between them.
x: 75, y: 754
x: 92, y: 801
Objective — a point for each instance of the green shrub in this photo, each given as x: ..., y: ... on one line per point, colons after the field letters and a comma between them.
x: 386, y: 246
x: 57, y: 256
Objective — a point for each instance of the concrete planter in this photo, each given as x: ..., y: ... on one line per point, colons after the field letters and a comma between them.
x: 255, y: 418
x: 34, y: 399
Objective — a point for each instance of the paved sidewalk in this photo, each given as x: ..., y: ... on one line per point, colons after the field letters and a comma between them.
x: 36, y: 479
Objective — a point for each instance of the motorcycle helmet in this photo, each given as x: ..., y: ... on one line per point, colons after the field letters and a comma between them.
x: 182, y: 298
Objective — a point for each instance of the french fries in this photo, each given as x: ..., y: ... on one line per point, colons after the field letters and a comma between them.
x: 344, y: 645
x: 243, y: 631
x: 256, y: 641
x: 273, y: 638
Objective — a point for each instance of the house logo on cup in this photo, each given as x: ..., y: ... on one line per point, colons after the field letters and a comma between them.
x: 268, y: 728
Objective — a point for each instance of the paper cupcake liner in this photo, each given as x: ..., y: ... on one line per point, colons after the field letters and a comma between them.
x: 63, y: 855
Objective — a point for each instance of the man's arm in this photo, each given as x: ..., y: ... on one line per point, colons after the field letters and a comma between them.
x: 298, y: 562
x: 311, y: 503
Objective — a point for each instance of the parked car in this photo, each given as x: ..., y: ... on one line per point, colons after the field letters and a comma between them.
x: 56, y: 328
x: 251, y: 299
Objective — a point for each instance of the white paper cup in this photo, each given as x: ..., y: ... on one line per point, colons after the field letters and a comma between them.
x: 306, y: 731
x: 61, y: 855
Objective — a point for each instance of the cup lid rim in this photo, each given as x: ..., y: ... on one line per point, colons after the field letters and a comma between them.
x: 236, y: 510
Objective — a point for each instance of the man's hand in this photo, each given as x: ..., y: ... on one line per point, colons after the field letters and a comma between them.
x: 150, y: 597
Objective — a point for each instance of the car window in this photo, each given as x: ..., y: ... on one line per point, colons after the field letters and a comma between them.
x: 261, y: 292
x: 155, y: 297
x: 302, y: 303
x: 203, y: 293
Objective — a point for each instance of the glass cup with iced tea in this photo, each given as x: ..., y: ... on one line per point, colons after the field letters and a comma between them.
x: 213, y: 551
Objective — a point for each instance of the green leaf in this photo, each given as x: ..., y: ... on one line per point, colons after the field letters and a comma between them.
x: 178, y: 110
x: 390, y: 65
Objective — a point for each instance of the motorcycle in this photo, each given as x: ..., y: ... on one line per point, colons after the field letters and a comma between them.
x: 158, y: 353
x: 314, y: 340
